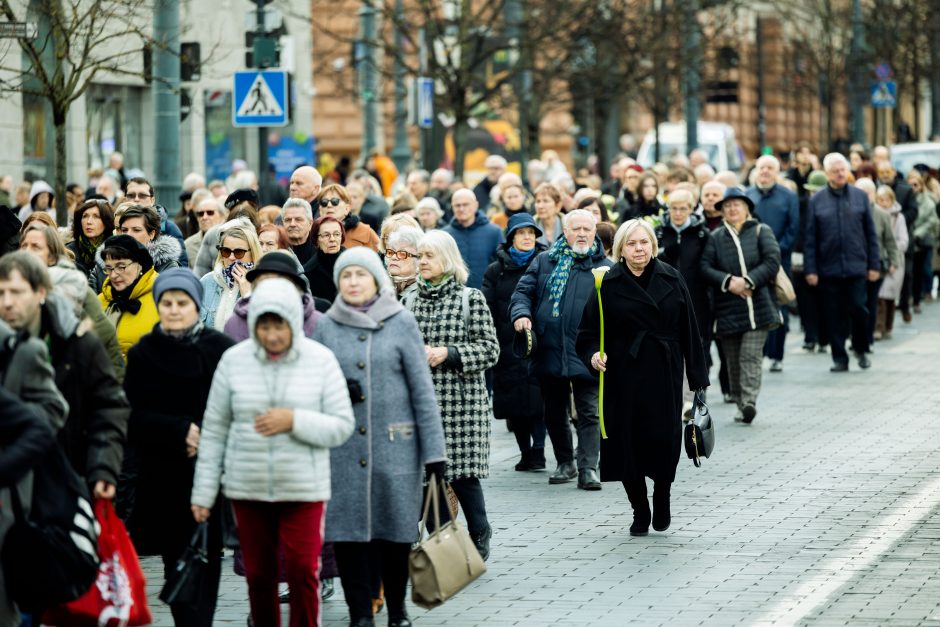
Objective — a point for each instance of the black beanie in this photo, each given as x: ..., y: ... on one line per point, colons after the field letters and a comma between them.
x: 135, y: 250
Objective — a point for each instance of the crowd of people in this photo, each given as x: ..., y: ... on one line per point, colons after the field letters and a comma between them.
x: 240, y: 365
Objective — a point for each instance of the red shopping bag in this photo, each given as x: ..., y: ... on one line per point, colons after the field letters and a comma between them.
x: 118, y: 597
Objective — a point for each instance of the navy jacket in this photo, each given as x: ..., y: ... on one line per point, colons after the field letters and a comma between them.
x: 556, y: 355
x: 778, y: 208
x: 840, y: 234
x: 477, y: 243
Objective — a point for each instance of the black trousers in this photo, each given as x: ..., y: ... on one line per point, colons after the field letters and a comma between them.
x: 845, y: 302
x: 470, y: 496
x: 360, y: 562
x: 201, y: 613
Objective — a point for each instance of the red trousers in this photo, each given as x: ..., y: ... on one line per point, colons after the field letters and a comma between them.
x: 298, y: 529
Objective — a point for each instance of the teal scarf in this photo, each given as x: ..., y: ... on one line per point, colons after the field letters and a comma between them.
x: 563, y: 257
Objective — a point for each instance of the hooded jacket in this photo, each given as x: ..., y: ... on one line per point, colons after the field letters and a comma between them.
x: 93, y: 435
x: 39, y: 187
x: 307, y: 379
x: 237, y: 326
x: 131, y: 327
x: 165, y: 251
x: 477, y: 243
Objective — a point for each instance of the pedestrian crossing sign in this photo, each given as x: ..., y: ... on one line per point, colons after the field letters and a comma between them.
x: 260, y: 99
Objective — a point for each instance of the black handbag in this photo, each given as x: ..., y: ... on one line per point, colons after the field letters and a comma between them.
x: 184, y: 584
x: 699, y: 433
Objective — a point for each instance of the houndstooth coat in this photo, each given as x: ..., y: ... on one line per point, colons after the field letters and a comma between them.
x: 458, y: 382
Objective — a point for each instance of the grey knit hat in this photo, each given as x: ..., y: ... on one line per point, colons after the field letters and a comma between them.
x: 366, y: 258
x: 178, y: 279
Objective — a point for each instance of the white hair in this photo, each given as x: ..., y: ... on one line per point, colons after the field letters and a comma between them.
x: 834, y: 158
x: 429, y: 202
x: 585, y: 192
x: 584, y: 213
x: 445, y: 246
x: 865, y: 184
x: 193, y: 181
x: 768, y: 159
x: 704, y: 170
x: 297, y: 202
x: 495, y: 161
x: 246, y: 179
x: 405, y: 236
x: 624, y: 232
x: 443, y: 172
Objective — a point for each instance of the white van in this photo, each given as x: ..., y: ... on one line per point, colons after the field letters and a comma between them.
x: 715, y: 138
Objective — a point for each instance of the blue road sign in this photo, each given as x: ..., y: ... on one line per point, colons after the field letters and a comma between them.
x: 260, y: 98
x: 425, y: 102
x: 883, y: 71
x: 884, y: 94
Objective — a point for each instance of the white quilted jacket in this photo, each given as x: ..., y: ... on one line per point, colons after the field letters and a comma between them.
x: 291, y: 466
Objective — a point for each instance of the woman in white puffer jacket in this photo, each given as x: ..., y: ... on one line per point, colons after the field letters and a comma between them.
x: 278, y: 403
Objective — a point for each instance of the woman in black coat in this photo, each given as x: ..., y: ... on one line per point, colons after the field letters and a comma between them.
x: 651, y: 333
x: 516, y: 395
x: 328, y: 234
x: 169, y: 373
x: 745, y: 306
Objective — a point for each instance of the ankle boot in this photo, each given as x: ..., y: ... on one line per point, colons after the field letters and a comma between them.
x: 661, y: 514
x: 537, y: 458
x: 636, y: 492
x: 525, y: 463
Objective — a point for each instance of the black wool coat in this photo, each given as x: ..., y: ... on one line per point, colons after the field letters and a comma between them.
x: 167, y: 384
x: 683, y: 251
x: 319, y: 273
x: 515, y: 391
x: 650, y: 334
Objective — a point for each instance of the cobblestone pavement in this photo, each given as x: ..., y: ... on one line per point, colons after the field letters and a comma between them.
x: 822, y: 512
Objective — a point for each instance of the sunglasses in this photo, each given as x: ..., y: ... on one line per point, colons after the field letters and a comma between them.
x: 326, y: 202
x: 207, y: 212
x: 227, y: 252
x: 400, y: 255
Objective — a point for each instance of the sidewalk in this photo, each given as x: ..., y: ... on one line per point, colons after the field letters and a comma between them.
x: 821, y: 512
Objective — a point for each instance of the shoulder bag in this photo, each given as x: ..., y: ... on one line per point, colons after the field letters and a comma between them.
x: 699, y: 433
x: 445, y: 562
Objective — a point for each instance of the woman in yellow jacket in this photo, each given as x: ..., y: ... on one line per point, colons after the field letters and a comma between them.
x: 127, y: 293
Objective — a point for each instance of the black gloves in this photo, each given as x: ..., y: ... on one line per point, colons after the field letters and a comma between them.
x: 438, y: 469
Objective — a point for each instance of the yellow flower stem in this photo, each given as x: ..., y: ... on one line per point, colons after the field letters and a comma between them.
x: 600, y: 393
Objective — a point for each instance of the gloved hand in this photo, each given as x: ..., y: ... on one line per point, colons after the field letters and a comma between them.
x: 438, y: 469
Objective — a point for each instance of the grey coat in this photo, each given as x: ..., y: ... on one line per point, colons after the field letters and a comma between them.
x: 458, y: 381
x: 377, y: 474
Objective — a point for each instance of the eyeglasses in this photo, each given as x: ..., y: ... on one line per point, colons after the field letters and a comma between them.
x: 328, y: 236
x: 137, y: 195
x: 227, y: 252
x: 326, y: 202
x: 400, y: 255
x: 207, y: 212
x: 120, y: 268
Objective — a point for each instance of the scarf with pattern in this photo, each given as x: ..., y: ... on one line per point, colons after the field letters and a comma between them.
x: 227, y: 272
x: 563, y: 257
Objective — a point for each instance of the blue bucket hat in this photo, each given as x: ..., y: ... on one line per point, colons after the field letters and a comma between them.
x: 735, y: 192
x: 521, y: 220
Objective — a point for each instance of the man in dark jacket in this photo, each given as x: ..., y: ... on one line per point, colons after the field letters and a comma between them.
x: 778, y: 208
x: 93, y: 435
x: 905, y: 196
x: 476, y: 237
x: 495, y: 168
x: 549, y: 300
x: 840, y: 252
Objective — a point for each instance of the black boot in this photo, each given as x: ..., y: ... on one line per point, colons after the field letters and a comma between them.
x: 537, y: 458
x: 636, y: 492
x: 526, y: 462
x: 661, y: 514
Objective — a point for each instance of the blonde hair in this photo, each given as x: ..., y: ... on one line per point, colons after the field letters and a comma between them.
x: 446, y: 247
x: 245, y: 233
x: 624, y: 232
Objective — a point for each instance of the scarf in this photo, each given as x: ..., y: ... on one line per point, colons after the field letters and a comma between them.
x: 87, y: 249
x: 186, y: 335
x: 227, y: 272
x: 521, y: 258
x: 564, y: 258
x: 122, y: 301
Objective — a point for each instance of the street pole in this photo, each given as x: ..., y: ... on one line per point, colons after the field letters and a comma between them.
x: 166, y: 103
x: 513, y: 16
x: 367, y: 77
x: 934, y: 71
x: 690, y: 74
x: 857, y: 77
x: 761, y: 107
x: 401, y: 152
x: 262, y: 130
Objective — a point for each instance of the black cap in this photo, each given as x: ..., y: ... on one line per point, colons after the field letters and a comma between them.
x: 185, y: 196
x: 135, y: 250
x: 277, y: 262
x: 242, y: 195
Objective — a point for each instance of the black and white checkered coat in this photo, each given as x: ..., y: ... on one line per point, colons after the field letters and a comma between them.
x: 458, y: 382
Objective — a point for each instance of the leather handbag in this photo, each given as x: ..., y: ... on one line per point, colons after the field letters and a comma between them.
x: 445, y: 562
x: 184, y: 583
x: 699, y: 433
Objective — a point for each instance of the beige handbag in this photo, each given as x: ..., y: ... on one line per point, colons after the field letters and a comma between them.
x: 445, y: 562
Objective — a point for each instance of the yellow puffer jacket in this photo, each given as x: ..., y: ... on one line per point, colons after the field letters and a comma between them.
x: 131, y: 327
